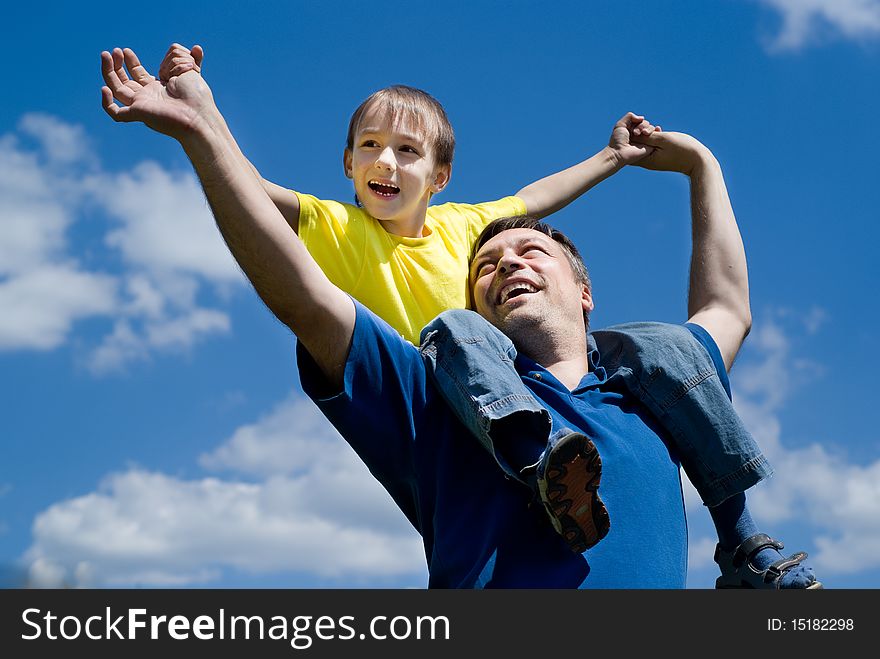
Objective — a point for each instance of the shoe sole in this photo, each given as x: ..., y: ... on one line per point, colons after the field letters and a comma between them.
x: 569, y: 492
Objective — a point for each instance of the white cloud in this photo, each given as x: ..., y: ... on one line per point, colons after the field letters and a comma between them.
x: 41, y: 306
x: 317, y: 511
x: 43, y: 291
x: 62, y: 143
x: 165, y: 223
x: 804, y: 21
x: 171, y: 252
x: 292, y: 438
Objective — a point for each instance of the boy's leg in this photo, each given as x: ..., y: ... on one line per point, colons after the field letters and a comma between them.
x: 472, y: 364
x: 749, y: 559
x: 671, y: 373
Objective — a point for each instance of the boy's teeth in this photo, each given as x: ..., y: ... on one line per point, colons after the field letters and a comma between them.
x: 386, y: 189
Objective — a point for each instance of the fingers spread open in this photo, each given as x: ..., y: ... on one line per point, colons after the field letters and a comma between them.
x: 116, y: 112
x: 119, y: 65
x: 138, y: 72
x: 110, y: 73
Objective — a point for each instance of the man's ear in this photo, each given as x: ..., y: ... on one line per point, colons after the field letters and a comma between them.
x: 346, y: 163
x: 441, y: 178
x: 587, y: 299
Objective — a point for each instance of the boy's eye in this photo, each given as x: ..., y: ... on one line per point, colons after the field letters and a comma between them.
x: 409, y: 149
x: 370, y: 143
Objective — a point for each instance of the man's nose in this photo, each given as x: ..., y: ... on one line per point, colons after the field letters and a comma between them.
x: 509, y: 263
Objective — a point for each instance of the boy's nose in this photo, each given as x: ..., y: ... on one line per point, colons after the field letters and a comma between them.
x: 385, y: 159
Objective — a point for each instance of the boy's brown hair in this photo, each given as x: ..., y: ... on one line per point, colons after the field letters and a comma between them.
x: 423, y: 109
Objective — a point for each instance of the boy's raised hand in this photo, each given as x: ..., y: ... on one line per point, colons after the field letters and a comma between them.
x: 626, y: 138
x: 172, y: 107
x: 180, y: 59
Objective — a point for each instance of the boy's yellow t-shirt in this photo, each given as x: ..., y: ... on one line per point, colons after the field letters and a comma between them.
x: 404, y: 281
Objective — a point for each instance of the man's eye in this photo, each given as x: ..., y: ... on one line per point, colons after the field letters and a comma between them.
x: 485, y: 269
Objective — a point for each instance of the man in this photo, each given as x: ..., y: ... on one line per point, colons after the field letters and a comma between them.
x: 479, y: 527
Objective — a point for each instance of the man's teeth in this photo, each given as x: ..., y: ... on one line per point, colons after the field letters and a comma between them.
x: 516, y: 288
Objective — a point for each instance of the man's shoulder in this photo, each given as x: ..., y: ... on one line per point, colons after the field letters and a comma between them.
x: 680, y: 350
x: 375, y: 346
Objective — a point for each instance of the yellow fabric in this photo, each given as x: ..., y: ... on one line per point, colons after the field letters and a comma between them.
x: 404, y: 281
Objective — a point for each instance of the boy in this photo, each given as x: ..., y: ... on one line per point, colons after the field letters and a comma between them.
x: 399, y: 154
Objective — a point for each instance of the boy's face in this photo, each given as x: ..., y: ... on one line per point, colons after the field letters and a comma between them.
x: 393, y: 169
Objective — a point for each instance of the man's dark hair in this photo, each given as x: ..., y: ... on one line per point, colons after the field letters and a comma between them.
x: 527, y: 222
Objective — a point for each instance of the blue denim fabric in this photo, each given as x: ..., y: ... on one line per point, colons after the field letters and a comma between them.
x: 662, y: 365
x: 471, y: 363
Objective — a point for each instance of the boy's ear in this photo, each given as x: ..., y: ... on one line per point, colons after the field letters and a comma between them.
x: 346, y: 163
x: 441, y: 178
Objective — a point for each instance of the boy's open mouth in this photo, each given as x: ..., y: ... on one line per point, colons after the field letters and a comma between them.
x: 383, y: 189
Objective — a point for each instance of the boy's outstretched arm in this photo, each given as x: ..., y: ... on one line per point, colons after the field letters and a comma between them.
x: 271, y: 255
x: 556, y: 191
x: 718, y: 292
x: 180, y: 59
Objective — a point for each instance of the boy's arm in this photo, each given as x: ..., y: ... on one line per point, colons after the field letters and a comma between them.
x: 271, y: 255
x: 556, y: 191
x: 718, y: 292
x: 180, y: 59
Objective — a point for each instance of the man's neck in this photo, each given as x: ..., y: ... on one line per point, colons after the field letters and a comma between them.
x: 569, y: 372
x: 567, y: 360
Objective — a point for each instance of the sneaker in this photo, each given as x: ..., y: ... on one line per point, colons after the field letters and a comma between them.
x: 568, y: 479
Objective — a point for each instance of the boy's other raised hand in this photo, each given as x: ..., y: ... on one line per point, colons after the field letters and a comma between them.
x: 131, y: 93
x: 180, y: 59
x: 626, y: 138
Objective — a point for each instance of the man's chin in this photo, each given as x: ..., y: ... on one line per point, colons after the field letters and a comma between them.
x: 517, y: 322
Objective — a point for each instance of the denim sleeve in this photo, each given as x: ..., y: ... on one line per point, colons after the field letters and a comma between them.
x: 701, y: 335
x: 382, y: 406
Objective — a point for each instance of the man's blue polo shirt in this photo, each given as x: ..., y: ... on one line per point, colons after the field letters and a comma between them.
x: 480, y: 528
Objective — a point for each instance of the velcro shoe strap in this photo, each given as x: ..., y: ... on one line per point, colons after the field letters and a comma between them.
x: 751, y: 546
x: 778, y: 568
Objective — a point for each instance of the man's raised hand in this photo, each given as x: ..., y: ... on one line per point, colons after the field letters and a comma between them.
x: 132, y: 94
x: 673, y: 152
x: 627, y: 138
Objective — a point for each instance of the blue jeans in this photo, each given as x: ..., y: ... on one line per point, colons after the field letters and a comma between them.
x: 663, y: 366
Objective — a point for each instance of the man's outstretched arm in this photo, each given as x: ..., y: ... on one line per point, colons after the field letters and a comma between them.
x: 718, y: 293
x: 180, y: 59
x: 274, y: 259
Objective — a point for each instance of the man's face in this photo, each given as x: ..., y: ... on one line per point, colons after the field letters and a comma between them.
x: 521, y: 280
x: 393, y: 168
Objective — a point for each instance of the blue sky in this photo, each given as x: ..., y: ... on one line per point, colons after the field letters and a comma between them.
x: 153, y: 429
